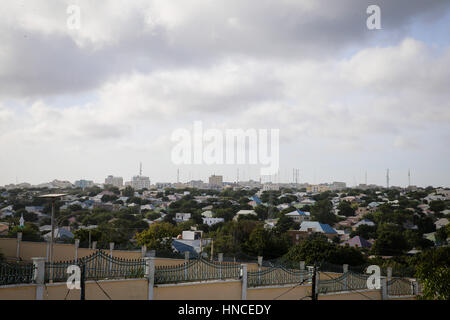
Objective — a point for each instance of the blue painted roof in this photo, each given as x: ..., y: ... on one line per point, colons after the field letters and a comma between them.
x: 256, y: 199
x: 182, y: 248
x: 327, y: 228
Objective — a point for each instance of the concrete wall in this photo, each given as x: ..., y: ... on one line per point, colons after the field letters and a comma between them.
x: 129, y: 289
x: 363, y: 295
x: 18, y: 292
x: 281, y: 293
x: 137, y: 289
x: 211, y: 290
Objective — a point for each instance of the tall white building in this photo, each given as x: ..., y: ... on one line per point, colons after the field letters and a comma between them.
x: 140, y: 182
x: 114, y: 181
x: 216, y: 181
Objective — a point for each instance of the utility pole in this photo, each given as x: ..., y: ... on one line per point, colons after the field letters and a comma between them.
x: 53, y: 198
x: 212, y: 249
x: 82, y: 282
x: 314, y: 289
x: 409, y: 177
x: 387, y: 178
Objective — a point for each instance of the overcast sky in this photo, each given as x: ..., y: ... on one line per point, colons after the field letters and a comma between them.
x: 86, y: 103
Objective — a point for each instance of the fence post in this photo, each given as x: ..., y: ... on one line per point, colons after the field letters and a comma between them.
x: 389, y: 278
x: 302, y: 267
x: 143, y: 251
x: 416, y: 288
x: 384, y: 295
x: 111, y: 249
x: 150, y: 275
x: 47, y: 251
x: 310, y: 272
x: 19, y: 239
x: 260, y: 260
x: 39, y: 276
x: 345, y: 269
x: 220, y: 257
x: 77, y: 244
x: 244, y: 281
x: 186, y: 260
x: 94, y: 245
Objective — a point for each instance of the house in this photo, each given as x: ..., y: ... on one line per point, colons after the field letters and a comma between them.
x: 212, y: 221
x: 7, y: 212
x: 315, y: 226
x: 270, y: 223
x: 59, y: 234
x: 191, y: 235
x: 298, y: 215
x: 182, y: 217
x: 148, y: 207
x: 359, y: 242
x: 373, y: 205
x: 363, y: 222
x: 35, y: 210
x: 4, y: 228
x: 307, y: 202
x: 309, y: 227
x: 409, y: 225
x: 441, y: 223
x: 254, y: 201
x: 244, y: 213
x: 207, y: 214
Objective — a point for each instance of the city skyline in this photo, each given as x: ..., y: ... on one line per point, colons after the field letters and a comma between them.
x: 185, y: 177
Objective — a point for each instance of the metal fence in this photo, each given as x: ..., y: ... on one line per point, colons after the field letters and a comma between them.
x: 400, y: 287
x: 197, y: 270
x: 277, y: 276
x: 99, y: 265
x: 16, y: 273
x: 346, y: 282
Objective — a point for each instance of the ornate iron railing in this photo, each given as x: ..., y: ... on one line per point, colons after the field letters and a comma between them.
x: 277, y: 276
x: 346, y: 282
x: 99, y: 265
x: 400, y: 287
x: 196, y: 270
x: 15, y: 273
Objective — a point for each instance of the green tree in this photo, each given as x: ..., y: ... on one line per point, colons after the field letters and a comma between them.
x: 345, y: 209
x: 437, y: 206
x: 128, y: 191
x: 433, y: 271
x: 158, y: 236
x: 321, y: 211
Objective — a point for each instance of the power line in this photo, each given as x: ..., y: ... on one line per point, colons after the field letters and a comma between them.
x: 102, y: 289
x: 290, y: 289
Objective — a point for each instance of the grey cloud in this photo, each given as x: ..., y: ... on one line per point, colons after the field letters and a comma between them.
x: 45, y: 64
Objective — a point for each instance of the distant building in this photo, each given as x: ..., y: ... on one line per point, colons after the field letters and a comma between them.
x: 114, y: 181
x: 182, y: 217
x: 317, y: 188
x: 309, y: 227
x: 270, y: 187
x: 216, y: 181
x: 337, y: 186
x: 83, y: 184
x: 298, y: 215
x: 359, y: 242
x: 140, y: 182
x: 212, y: 221
x: 244, y: 212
